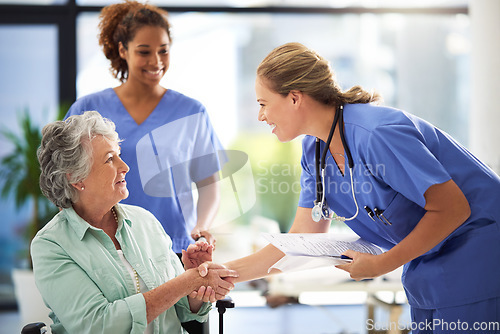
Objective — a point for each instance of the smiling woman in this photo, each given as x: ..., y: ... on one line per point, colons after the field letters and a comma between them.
x: 135, y: 38
x: 129, y: 279
x: 430, y: 213
x: 105, y: 185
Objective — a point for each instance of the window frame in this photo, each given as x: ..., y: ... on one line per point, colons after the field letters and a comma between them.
x: 65, y: 17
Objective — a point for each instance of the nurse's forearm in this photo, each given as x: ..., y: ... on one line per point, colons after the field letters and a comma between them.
x: 208, y: 201
x: 447, y: 209
x: 256, y: 265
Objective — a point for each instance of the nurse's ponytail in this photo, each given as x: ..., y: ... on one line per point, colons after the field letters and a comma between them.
x: 293, y: 66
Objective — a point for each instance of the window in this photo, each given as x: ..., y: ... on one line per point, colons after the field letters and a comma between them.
x: 28, y: 83
x: 418, y: 62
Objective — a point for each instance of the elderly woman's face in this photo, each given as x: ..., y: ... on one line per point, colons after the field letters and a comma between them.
x: 106, y: 181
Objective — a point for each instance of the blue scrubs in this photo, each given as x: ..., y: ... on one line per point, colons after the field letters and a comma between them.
x: 175, y: 146
x: 397, y: 157
x: 481, y: 317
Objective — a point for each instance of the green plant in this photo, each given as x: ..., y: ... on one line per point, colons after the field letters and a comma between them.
x: 20, y: 172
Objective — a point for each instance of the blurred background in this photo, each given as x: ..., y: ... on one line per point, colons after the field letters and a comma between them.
x: 436, y: 59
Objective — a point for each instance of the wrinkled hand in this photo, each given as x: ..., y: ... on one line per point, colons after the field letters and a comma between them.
x: 196, y: 254
x: 219, y: 281
x: 363, y: 265
x: 196, y: 233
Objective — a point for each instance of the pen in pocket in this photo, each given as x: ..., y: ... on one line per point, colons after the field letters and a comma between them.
x: 369, y: 212
x: 380, y: 215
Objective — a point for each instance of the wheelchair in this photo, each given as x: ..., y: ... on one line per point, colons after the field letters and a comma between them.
x: 34, y: 328
x: 222, y: 305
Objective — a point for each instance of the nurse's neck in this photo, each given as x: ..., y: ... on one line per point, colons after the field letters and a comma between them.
x: 320, y: 121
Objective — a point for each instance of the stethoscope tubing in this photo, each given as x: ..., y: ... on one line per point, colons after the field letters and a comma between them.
x: 320, y: 166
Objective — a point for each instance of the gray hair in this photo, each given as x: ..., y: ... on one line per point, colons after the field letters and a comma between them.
x: 65, y: 154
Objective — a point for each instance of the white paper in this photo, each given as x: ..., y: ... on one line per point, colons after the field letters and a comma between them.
x: 313, y: 250
x: 290, y: 263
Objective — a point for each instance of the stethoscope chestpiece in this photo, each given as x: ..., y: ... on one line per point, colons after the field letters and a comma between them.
x: 316, y: 214
x: 320, y: 211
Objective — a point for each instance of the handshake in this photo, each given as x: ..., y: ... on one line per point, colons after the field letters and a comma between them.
x: 213, y: 281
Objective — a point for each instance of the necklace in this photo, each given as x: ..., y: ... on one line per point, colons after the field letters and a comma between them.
x: 136, y: 276
x: 137, y: 284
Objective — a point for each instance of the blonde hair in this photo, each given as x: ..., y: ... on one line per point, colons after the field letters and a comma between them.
x: 293, y: 66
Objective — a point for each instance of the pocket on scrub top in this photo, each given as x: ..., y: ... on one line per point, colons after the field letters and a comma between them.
x: 403, y: 214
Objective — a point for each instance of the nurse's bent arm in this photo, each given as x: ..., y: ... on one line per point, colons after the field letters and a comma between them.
x: 447, y: 209
x: 207, y: 207
x: 256, y: 265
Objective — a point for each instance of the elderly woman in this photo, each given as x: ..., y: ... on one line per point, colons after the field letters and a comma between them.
x: 104, y: 267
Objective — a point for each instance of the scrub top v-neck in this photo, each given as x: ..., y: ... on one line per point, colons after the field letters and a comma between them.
x: 173, y: 147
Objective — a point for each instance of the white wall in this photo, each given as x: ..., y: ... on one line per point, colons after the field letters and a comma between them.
x: 485, y: 85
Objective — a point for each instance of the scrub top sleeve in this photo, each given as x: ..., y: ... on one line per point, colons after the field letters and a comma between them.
x: 410, y: 167
x: 307, y: 179
x: 207, y: 146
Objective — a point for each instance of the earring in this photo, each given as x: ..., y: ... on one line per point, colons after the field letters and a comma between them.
x: 82, y: 187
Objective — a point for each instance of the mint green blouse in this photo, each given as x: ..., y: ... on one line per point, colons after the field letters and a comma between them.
x: 86, y: 285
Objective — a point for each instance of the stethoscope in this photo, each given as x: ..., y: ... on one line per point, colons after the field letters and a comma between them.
x: 321, y: 209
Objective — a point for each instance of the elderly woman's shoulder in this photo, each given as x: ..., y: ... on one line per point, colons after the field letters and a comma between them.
x: 54, y: 221
x: 54, y: 226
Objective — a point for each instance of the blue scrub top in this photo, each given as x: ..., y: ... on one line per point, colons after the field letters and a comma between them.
x: 397, y: 157
x: 174, y: 147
